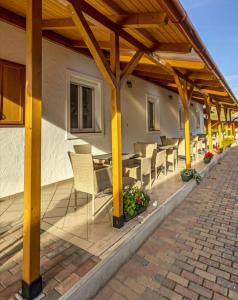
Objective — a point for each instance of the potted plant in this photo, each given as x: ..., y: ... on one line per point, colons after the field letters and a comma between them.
x: 219, y: 150
x: 188, y: 174
x: 135, y: 201
x: 207, y: 157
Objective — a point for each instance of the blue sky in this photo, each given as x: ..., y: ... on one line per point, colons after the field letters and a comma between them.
x: 217, y: 23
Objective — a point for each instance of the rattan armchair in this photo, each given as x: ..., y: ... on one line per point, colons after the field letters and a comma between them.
x: 160, y: 161
x: 138, y: 168
x: 87, y: 179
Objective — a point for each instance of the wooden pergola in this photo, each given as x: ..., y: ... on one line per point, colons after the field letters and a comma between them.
x: 152, y: 39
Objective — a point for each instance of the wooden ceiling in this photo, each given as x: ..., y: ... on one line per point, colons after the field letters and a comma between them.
x: 142, y: 24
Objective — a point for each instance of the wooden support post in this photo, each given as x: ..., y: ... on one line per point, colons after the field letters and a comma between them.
x: 118, y: 219
x: 226, y: 119
x: 209, y: 123
x: 234, y: 130
x: 230, y: 123
x: 218, y: 107
x: 31, y: 281
x: 112, y: 76
x: 185, y: 94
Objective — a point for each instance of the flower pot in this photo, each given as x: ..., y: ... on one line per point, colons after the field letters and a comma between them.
x: 186, y: 177
x: 128, y: 217
x: 207, y: 160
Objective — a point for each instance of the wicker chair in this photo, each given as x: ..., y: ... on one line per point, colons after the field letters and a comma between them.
x: 87, y: 149
x: 181, y: 149
x: 137, y: 168
x: 160, y: 161
x: 83, y: 149
x: 172, y: 154
x: 87, y: 179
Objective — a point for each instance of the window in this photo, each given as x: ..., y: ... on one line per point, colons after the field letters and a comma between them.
x: 152, y: 113
x: 151, y: 116
x: 12, y: 94
x: 198, y: 120
x: 82, y: 112
x: 84, y: 105
x: 181, y: 117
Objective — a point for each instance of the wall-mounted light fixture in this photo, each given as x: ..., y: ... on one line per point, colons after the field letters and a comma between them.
x: 129, y: 84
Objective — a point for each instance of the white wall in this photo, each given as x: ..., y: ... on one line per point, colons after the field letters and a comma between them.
x: 55, y: 163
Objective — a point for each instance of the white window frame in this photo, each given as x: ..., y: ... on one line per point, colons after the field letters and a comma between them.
x: 156, y: 114
x: 80, y: 128
x: 96, y: 84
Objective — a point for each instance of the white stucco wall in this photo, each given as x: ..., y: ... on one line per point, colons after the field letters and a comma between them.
x: 55, y: 163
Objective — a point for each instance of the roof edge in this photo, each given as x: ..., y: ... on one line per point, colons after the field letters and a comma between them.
x: 178, y: 15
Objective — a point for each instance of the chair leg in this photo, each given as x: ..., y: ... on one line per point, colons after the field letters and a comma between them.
x: 75, y: 200
x: 165, y: 168
x: 93, y: 205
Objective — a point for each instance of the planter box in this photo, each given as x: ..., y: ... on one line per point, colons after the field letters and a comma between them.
x: 207, y: 160
x: 186, y: 178
x: 128, y: 217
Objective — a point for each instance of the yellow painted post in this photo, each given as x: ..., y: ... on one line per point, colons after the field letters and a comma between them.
x: 226, y: 128
x: 209, y: 123
x: 185, y: 94
x: 187, y: 136
x: 219, y: 125
x: 31, y: 281
x: 118, y: 219
x: 234, y: 130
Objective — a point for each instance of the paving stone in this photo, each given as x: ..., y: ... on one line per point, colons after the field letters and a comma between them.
x: 187, y: 293
x: 215, y: 287
x: 178, y: 279
x: 200, y: 290
x: 205, y: 275
x: 192, y: 277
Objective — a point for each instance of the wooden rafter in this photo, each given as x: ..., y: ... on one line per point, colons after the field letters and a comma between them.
x: 92, y: 43
x: 144, y: 20
x: 98, y: 18
x: 131, y: 65
x: 173, y: 47
x: 52, y: 24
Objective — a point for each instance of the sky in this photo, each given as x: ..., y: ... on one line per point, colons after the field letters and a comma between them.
x: 217, y: 23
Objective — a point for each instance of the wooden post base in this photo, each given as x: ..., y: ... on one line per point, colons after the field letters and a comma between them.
x: 32, y: 290
x: 118, y: 222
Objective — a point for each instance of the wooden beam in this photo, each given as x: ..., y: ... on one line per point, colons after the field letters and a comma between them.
x: 201, y: 75
x: 144, y: 20
x: 218, y: 93
x: 131, y: 65
x: 32, y: 282
x: 92, y: 43
x: 173, y: 48
x: 118, y: 219
x: 16, y: 20
x: 103, y: 45
x: 184, y: 64
x: 98, y: 18
x: 52, y: 24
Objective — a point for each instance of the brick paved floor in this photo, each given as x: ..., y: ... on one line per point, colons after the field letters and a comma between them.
x: 62, y: 264
x: 194, y: 253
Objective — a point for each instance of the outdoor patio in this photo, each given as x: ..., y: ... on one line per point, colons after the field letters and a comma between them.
x: 71, y: 242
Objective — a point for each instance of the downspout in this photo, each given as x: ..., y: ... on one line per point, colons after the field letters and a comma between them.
x: 178, y: 15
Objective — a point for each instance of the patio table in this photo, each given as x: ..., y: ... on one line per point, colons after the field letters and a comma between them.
x: 108, y: 156
x: 167, y: 147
